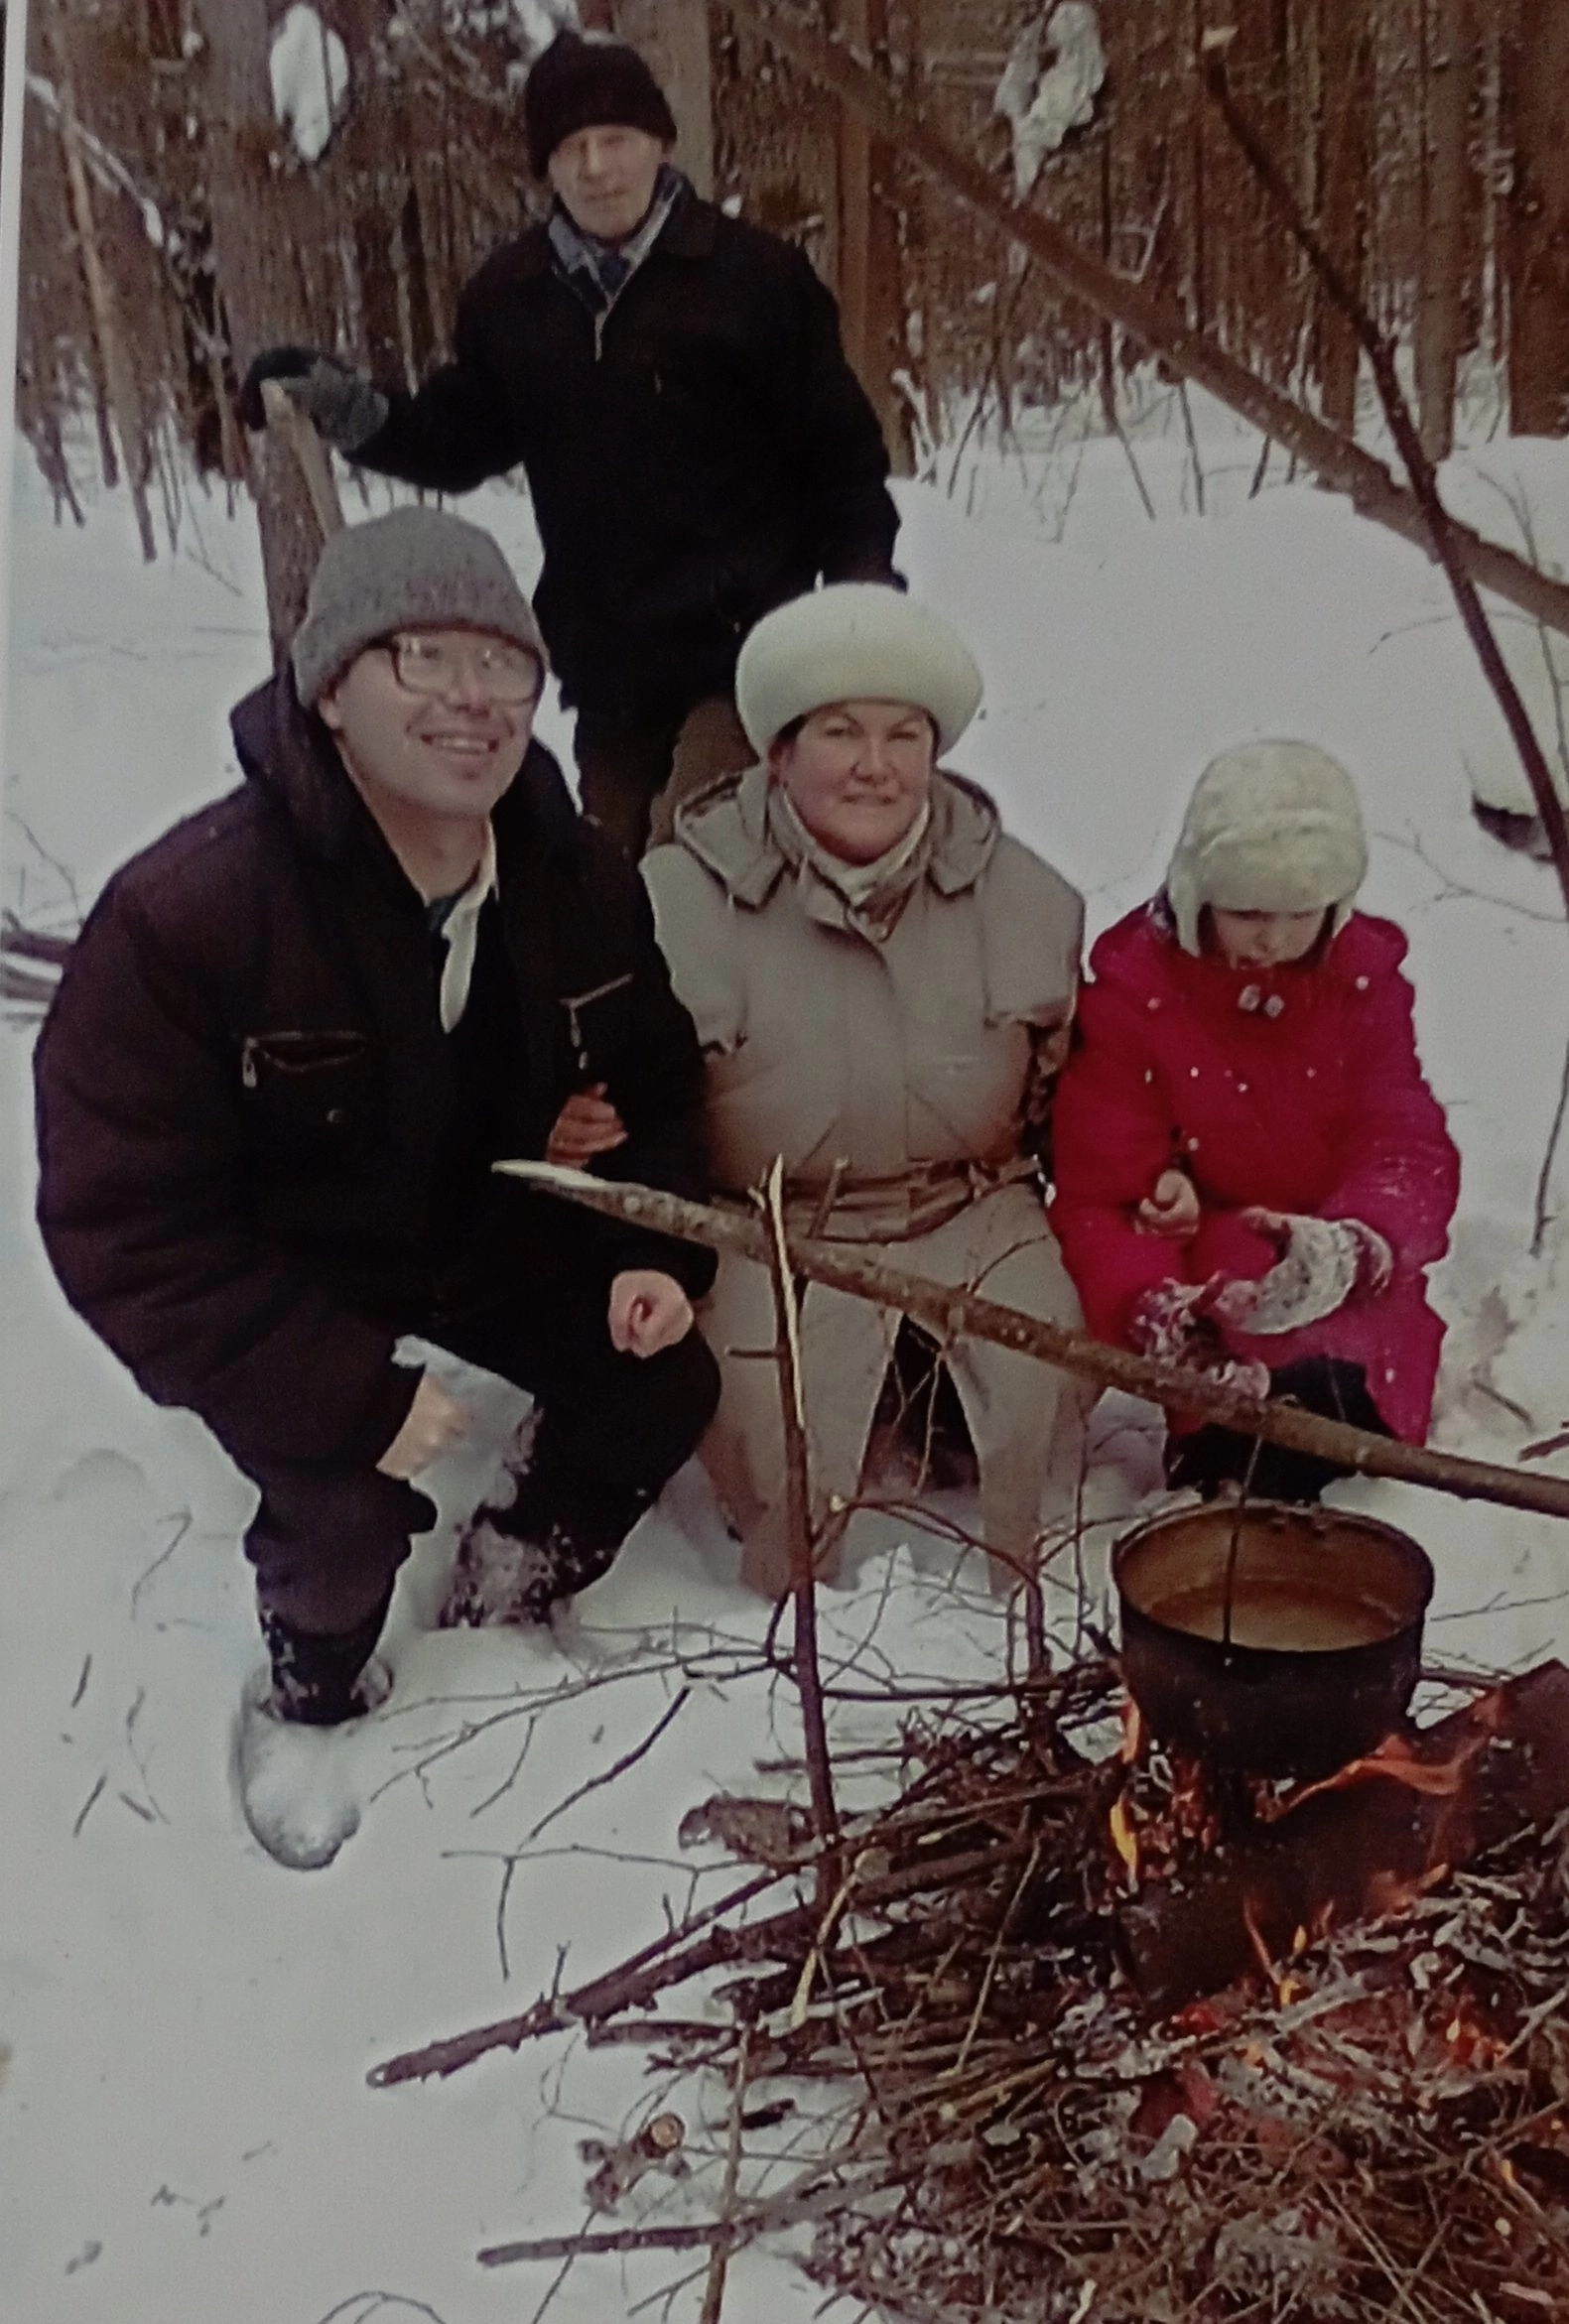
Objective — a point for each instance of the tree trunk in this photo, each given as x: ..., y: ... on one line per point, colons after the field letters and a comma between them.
x: 1346, y: 127
x: 1447, y: 68
x: 1539, y: 99
x: 870, y: 269
x: 673, y: 37
x: 119, y: 374
x: 258, y: 297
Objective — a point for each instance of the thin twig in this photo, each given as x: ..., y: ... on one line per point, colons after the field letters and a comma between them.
x: 719, y: 2265
x: 802, y: 1577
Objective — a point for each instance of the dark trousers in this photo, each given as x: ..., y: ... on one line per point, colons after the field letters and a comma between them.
x: 632, y: 776
x: 327, y: 1539
x: 1212, y: 1455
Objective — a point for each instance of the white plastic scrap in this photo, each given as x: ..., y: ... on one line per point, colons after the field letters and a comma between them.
x: 310, y: 73
x: 1043, y: 100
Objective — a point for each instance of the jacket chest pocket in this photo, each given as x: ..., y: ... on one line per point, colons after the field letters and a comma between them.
x: 310, y: 1098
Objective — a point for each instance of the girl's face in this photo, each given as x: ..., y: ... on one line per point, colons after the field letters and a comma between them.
x: 1263, y: 940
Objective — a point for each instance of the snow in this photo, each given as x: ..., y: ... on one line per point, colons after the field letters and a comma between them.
x: 1040, y: 102
x: 309, y: 66
x: 184, y: 2027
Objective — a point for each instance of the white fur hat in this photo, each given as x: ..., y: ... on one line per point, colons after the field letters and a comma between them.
x: 854, y: 641
x: 1271, y: 827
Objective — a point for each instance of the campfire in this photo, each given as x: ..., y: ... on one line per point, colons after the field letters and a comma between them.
x: 1100, y: 2029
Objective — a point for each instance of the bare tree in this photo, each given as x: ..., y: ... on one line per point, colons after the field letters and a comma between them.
x: 260, y: 294
x: 1448, y: 66
x: 1538, y: 79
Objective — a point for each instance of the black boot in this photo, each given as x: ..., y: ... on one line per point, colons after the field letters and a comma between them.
x: 293, y: 1744
x: 516, y: 1563
x: 318, y: 1680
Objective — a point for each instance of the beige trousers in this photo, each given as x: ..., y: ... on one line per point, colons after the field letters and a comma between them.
x: 1025, y: 1418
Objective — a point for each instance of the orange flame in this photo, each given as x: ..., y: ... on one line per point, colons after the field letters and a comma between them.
x: 1124, y: 1839
x: 1395, y: 1759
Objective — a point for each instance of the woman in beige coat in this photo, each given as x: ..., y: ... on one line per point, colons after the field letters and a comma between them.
x: 882, y: 982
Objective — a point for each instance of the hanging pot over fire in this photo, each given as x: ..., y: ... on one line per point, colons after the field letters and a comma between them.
x: 1279, y: 1639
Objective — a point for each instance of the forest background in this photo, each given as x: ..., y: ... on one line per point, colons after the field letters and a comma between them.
x: 220, y: 192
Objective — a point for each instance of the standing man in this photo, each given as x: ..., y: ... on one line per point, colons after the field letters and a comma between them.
x: 289, y: 1044
x: 698, y: 448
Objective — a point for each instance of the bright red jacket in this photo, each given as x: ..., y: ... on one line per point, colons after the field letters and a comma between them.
x: 1297, y: 1088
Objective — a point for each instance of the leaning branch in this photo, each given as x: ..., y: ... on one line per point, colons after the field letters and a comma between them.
x: 952, y: 1314
x: 1160, y: 328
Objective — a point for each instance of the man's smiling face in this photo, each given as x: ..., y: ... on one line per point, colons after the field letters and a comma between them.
x: 446, y: 746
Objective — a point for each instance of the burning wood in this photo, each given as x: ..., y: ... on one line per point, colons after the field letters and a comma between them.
x: 1127, y: 2040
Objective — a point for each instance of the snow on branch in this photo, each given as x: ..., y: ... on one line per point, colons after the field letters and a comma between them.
x: 106, y: 167
x: 310, y: 73
x: 1042, y: 100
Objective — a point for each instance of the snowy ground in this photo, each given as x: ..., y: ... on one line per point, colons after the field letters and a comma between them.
x: 185, y: 2029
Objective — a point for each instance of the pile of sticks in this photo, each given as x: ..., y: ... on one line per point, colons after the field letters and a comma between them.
x: 1375, y: 2124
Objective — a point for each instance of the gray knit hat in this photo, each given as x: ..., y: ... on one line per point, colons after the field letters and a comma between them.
x: 417, y: 568
x: 854, y: 641
x: 1271, y: 827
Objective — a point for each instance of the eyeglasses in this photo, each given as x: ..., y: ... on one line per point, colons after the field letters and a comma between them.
x: 509, y: 674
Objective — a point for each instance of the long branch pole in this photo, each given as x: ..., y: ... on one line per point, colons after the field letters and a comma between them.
x: 951, y: 1314
x: 1159, y: 327
x: 1409, y: 442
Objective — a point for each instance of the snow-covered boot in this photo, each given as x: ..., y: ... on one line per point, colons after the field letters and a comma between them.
x: 295, y: 1744
x: 516, y: 1564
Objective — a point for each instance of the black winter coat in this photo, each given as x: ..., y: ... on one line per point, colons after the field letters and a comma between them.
x: 696, y: 458
x: 261, y: 1157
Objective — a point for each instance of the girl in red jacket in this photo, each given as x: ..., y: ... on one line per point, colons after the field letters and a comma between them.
x: 1253, y: 1175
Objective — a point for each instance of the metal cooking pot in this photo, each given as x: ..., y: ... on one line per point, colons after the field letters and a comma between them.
x: 1279, y: 1639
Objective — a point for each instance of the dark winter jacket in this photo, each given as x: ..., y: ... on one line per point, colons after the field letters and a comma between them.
x: 1297, y: 1090
x: 262, y: 1158
x: 695, y: 457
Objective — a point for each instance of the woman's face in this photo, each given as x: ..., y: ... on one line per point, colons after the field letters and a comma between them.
x: 1263, y: 940
x: 857, y: 774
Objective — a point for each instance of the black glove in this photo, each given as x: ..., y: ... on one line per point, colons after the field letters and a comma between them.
x: 348, y: 410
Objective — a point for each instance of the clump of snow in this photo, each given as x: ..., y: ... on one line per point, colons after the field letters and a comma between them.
x: 1042, y: 101
x: 310, y: 73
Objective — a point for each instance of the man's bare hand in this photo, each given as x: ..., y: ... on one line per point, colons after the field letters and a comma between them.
x: 588, y: 1124
x: 433, y: 1423
x: 1173, y: 1208
x: 648, y: 1312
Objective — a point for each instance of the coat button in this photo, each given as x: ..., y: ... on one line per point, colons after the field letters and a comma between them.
x: 1273, y: 1005
x: 1362, y: 985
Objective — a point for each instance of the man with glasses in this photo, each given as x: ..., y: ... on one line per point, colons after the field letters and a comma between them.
x: 672, y: 380
x: 291, y: 1041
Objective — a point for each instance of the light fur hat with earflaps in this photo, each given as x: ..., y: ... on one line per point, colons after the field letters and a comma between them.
x: 1271, y: 827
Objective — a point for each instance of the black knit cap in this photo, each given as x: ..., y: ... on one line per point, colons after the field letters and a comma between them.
x: 589, y: 84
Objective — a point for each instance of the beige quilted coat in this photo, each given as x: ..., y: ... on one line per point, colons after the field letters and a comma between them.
x: 891, y: 1073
